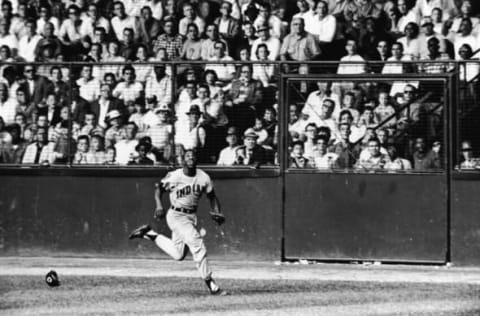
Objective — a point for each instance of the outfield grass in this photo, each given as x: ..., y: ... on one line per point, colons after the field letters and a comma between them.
x: 112, y: 295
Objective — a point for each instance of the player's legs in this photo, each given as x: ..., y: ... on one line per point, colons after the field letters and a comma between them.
x: 174, y: 247
x: 184, y: 228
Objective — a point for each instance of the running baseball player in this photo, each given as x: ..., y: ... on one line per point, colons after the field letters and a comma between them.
x: 186, y: 186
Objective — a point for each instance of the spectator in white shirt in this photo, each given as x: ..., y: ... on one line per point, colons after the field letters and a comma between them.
x: 225, y: 72
x: 159, y: 85
x: 407, y: 14
x: 92, y: 21
x: 263, y: 72
x: 265, y: 17
x: 129, y: 89
x: 46, y: 16
x: 88, y: 85
x: 272, y: 43
x: 28, y: 43
x: 322, y: 24
x: 121, y: 21
x: 7, y: 105
x: 465, y: 36
x: 305, y: 11
x: 70, y: 29
x: 228, y: 154
x: 190, y: 17
x: 6, y: 38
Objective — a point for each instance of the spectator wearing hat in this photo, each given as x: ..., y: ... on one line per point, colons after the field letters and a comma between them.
x: 251, y: 153
x: 161, y: 133
x: 468, y: 160
x: 141, y: 158
x: 105, y: 104
x: 193, y: 135
x: 428, y: 33
x: 228, y: 154
x: 264, y: 37
x: 159, y: 85
x: 125, y: 144
x: 115, y: 129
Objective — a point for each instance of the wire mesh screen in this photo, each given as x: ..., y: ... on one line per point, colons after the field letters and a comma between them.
x: 367, y: 125
x: 139, y: 114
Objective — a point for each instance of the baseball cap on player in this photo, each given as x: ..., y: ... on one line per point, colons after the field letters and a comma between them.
x: 52, y: 278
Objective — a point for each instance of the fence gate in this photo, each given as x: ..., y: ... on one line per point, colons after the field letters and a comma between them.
x: 366, y: 209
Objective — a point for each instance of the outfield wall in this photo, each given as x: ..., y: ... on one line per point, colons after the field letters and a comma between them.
x: 61, y: 215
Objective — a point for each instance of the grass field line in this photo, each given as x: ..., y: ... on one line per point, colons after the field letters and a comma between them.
x: 238, y: 270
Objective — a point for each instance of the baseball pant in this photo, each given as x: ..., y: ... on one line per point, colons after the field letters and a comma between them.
x: 184, y: 232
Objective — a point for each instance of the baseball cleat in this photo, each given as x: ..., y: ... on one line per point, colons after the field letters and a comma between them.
x: 139, y: 232
x: 214, y: 288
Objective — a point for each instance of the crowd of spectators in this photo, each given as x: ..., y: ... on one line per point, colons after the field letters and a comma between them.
x: 364, y: 132
x: 118, y: 104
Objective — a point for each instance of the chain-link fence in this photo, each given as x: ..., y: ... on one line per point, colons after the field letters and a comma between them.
x: 148, y: 114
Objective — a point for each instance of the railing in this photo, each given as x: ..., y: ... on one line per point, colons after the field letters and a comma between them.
x: 163, y: 129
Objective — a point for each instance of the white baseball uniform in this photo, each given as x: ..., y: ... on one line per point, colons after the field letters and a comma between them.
x: 185, y: 193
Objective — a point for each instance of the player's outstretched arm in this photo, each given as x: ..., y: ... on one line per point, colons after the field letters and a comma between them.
x: 216, y: 212
x: 159, y: 210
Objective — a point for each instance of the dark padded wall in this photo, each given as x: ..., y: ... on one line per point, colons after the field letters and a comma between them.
x: 389, y: 217
x: 465, y: 220
x: 58, y: 215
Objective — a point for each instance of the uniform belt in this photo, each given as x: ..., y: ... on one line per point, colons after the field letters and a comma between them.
x: 184, y: 210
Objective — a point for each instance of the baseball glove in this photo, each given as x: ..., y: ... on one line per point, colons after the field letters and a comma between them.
x: 52, y: 278
x: 218, y: 218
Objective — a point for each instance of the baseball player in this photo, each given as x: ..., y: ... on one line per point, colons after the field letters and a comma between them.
x: 186, y: 185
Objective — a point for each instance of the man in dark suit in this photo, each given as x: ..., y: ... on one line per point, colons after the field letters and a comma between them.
x: 251, y: 153
x: 105, y: 103
x: 245, y: 99
x: 35, y: 86
x: 228, y: 26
